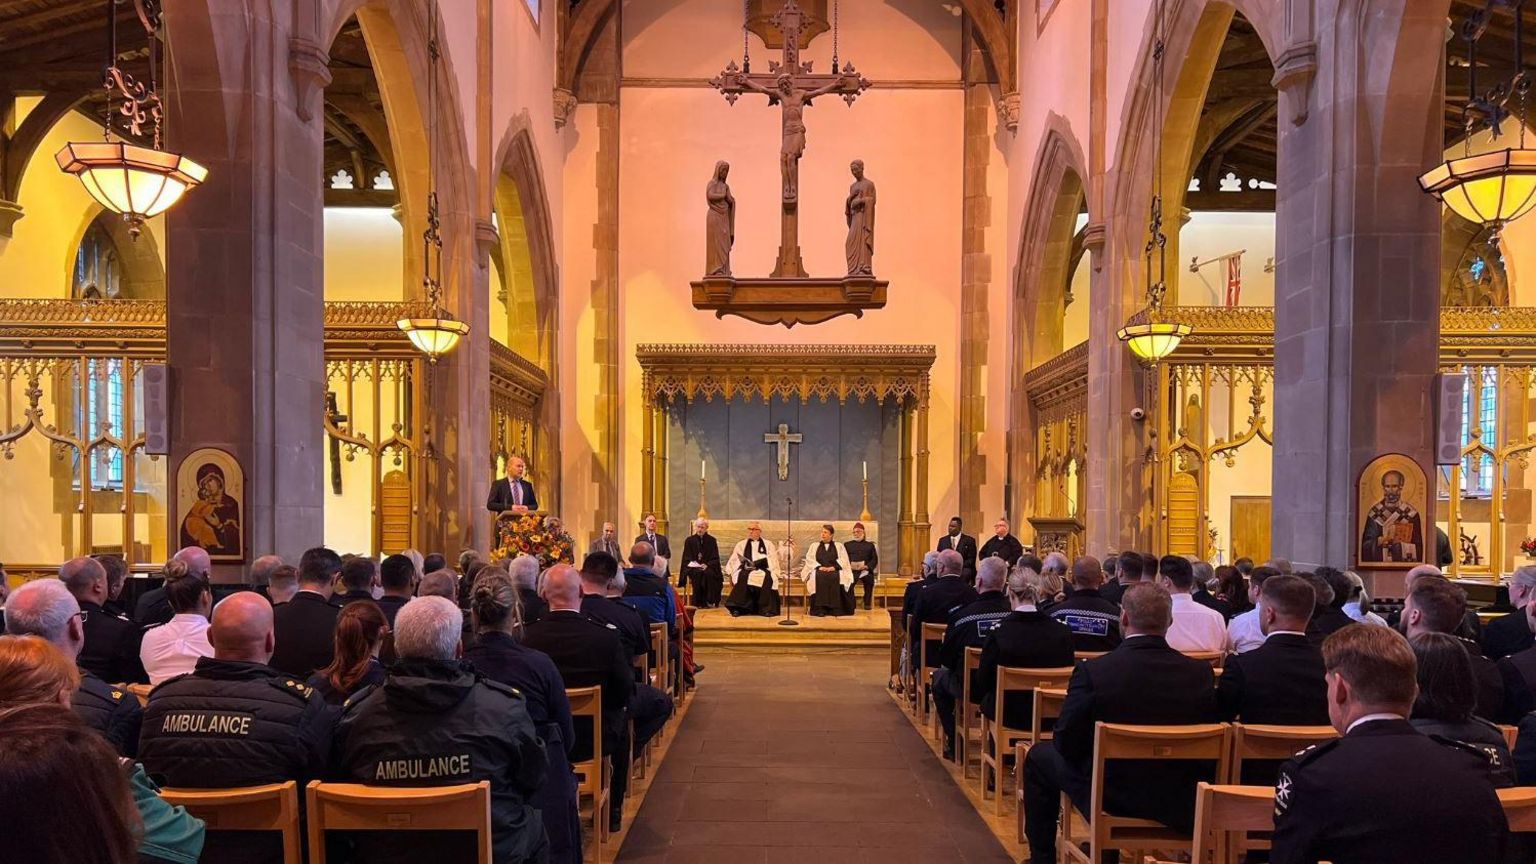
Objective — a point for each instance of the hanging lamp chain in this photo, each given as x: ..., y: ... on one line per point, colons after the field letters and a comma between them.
x: 432, y: 238
x: 139, y: 110
x: 836, y: 4
x: 1157, y: 241
x: 746, y: 42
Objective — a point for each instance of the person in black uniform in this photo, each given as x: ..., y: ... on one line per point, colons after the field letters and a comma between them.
x: 397, y: 576
x: 1002, y: 544
x: 930, y: 573
x: 435, y: 722
x: 934, y: 603
x: 597, y: 570
x: 111, y: 650
x: 45, y: 608
x: 1027, y: 638
x: 512, y: 492
x: 1383, y: 792
x: 969, y: 627
x: 1094, y: 621
x: 965, y: 544
x: 700, y: 566
x: 235, y: 721
x: 589, y: 654
x: 659, y: 545
x: 306, y: 625
x: 1435, y: 605
x: 864, y: 558
x: 117, y: 577
x: 1511, y: 633
x: 1128, y: 573
x: 1143, y: 681
x: 359, y: 576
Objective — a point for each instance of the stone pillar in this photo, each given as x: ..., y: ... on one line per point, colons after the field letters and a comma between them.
x: 908, y: 558
x: 1357, y: 265
x: 245, y: 304
x: 921, y: 524
x: 975, y: 283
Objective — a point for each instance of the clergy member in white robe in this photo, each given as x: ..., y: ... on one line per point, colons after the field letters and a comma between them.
x: 828, y: 576
x: 755, y: 576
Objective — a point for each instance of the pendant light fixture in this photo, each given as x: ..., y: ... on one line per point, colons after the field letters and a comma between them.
x: 1155, y: 338
x: 129, y: 179
x: 1498, y: 187
x: 437, y: 333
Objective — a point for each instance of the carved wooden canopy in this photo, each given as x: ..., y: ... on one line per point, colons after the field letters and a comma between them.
x: 787, y: 371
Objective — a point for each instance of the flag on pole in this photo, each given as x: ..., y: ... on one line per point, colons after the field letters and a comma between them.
x: 1234, y: 278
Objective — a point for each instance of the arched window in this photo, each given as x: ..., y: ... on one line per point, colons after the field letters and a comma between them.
x: 1479, y: 418
x: 98, y: 270
x: 98, y: 396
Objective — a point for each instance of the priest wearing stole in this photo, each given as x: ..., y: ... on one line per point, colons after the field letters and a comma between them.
x: 755, y: 579
x: 866, y: 562
x: 828, y: 576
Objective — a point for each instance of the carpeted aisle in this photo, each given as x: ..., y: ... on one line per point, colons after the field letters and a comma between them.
x: 801, y: 756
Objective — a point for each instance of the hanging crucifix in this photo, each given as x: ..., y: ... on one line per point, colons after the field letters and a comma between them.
x: 791, y: 85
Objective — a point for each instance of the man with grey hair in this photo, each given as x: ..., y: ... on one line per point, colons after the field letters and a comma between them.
x: 1511, y: 633
x: 930, y: 572
x: 434, y: 722
x: 111, y: 649
x: 439, y: 584
x: 934, y: 604
x: 524, y: 570
x: 262, y: 569
x: 969, y: 627
x: 699, y: 566
x: 153, y: 608
x: 45, y: 608
x: 608, y: 543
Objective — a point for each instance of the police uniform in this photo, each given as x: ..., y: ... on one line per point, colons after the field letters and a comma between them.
x: 438, y: 723
x: 111, y: 649
x: 969, y: 627
x: 112, y: 711
x: 1387, y: 793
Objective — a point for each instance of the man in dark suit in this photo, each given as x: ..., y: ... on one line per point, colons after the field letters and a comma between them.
x: 1127, y: 572
x: 930, y: 573
x: 512, y: 492
x: 1511, y: 633
x: 934, y: 604
x: 304, y: 628
x: 597, y: 571
x: 1435, y: 605
x: 608, y: 543
x: 700, y: 565
x: 965, y: 544
x: 1384, y: 791
x: 398, y: 578
x: 359, y: 576
x: 659, y: 545
x: 1143, y: 681
x: 111, y: 649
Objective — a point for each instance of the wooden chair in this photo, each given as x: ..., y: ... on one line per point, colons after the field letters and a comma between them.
x: 355, y: 807
x: 966, y: 711
x: 1048, y: 702
x: 1225, y: 815
x: 996, y: 738
x: 662, y: 672
x: 1113, y: 741
x: 1080, y: 656
x: 1256, y: 742
x: 141, y: 691
x: 1519, y: 808
x: 1511, y: 735
x: 248, y: 808
x: 926, y: 633
x: 1212, y: 657
x: 595, y: 775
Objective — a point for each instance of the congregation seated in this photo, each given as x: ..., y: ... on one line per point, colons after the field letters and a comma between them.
x: 398, y: 579
x: 152, y: 607
x: 1142, y: 681
x: 969, y: 627
x: 360, y: 633
x: 359, y: 577
x: 1125, y: 572
x: 282, y: 584
x: 1195, y: 627
x: 1383, y: 791
x: 1093, y: 620
x: 442, y: 583
x: 117, y: 579
x: 236, y: 721
x: 649, y: 593
x: 1511, y: 632
x: 305, y: 626
x: 1243, y: 631
x: 496, y: 610
x: 1026, y: 637
x: 1447, y: 699
x: 1053, y: 575
x: 524, y: 570
x: 598, y: 571
x: 929, y: 573
x: 1435, y: 605
x: 1358, y: 606
x: 1232, y: 589
x: 1205, y: 581
x: 173, y: 648
x: 933, y: 603
x: 434, y: 722
x: 45, y: 608
x: 111, y: 649
x: 1329, y: 615
x: 433, y: 561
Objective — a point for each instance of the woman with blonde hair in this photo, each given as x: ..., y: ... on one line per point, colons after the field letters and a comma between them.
x: 1028, y: 637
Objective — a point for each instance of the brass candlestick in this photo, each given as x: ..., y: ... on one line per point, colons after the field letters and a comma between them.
x: 865, y: 515
x: 703, y: 513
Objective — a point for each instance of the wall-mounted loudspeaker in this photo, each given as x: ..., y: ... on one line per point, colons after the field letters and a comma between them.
x: 1450, y: 408
x: 156, y: 388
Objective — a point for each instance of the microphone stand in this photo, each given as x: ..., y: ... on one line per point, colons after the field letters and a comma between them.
x: 789, y: 619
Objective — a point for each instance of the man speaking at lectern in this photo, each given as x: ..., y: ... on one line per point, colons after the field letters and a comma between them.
x: 512, y: 492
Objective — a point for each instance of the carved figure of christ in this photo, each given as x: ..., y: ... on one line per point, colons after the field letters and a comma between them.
x: 793, y: 100
x: 782, y: 439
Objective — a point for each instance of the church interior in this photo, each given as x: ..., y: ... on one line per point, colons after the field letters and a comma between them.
x: 1232, y: 283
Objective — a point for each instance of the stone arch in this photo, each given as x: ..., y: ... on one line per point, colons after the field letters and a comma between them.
x: 142, y: 269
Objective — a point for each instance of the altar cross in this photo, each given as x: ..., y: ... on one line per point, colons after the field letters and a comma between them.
x: 783, y: 438
x: 792, y: 85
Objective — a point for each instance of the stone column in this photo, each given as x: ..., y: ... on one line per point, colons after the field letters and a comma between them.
x: 1357, y: 279
x: 245, y: 297
x: 921, y: 525
x: 975, y: 283
x: 908, y: 559
x: 648, y: 451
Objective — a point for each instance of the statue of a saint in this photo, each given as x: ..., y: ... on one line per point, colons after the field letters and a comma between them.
x: 860, y: 212
x: 720, y: 226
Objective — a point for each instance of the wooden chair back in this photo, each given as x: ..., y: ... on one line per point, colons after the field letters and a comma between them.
x: 997, y: 739
x: 966, y: 711
x: 274, y: 807
x: 355, y: 807
x: 593, y: 776
x: 140, y: 691
x: 1511, y: 735
x: 663, y: 669
x: 1224, y: 815
x: 642, y: 664
x: 1519, y: 808
x: 926, y: 633
x: 1256, y: 742
x: 1214, y: 658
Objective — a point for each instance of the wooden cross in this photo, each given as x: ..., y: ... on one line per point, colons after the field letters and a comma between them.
x: 783, y: 438
x: 792, y: 85
x: 337, y: 418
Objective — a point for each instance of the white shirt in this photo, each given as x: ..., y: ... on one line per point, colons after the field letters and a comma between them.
x: 1196, y: 627
x: 1244, y: 633
x: 1352, y: 609
x: 173, y: 648
x: 1385, y: 715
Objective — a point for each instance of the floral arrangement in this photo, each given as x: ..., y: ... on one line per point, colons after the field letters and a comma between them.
x: 1528, y: 546
x: 532, y: 534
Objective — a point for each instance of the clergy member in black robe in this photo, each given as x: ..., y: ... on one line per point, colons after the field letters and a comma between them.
x: 755, y: 579
x: 865, y: 560
x: 828, y: 576
x: 1002, y: 544
x: 700, y: 566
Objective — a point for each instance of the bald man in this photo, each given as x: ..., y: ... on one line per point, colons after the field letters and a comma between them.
x: 152, y: 607
x: 235, y: 721
x: 111, y: 649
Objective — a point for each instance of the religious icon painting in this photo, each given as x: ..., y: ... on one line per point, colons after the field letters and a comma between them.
x: 1394, y: 514
x: 210, y: 492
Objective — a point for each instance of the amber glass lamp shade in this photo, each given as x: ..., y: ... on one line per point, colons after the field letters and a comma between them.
x: 1486, y: 189
x: 1153, y: 341
x: 434, y: 336
x: 137, y: 182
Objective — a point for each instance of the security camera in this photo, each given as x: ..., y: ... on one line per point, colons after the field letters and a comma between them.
x: 1138, y: 414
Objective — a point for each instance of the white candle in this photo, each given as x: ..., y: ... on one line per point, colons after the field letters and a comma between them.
x: 866, y: 470
x: 701, y: 469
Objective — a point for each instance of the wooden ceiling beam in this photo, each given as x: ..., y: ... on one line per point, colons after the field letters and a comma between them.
x: 31, y: 20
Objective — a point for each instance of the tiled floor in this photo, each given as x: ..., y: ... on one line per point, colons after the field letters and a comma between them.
x: 801, y: 756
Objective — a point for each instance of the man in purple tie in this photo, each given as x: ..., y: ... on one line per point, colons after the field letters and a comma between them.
x: 512, y: 492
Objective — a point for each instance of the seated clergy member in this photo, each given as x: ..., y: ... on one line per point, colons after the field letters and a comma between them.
x: 1511, y: 633
x: 435, y: 722
x: 235, y: 721
x: 1195, y: 627
x: 1143, y: 681
x: 828, y: 576
x: 494, y: 608
x: 1383, y: 792
x: 969, y: 627
x: 111, y: 649
x: 45, y: 608
x: 589, y: 654
x: 864, y: 558
x: 1025, y: 638
x: 754, y: 573
x: 699, y: 568
x: 1001, y: 544
x: 934, y: 603
x: 1243, y: 631
x: 305, y: 626
x: 597, y: 571
x: 1094, y: 621
x: 1435, y: 605
x: 174, y: 647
